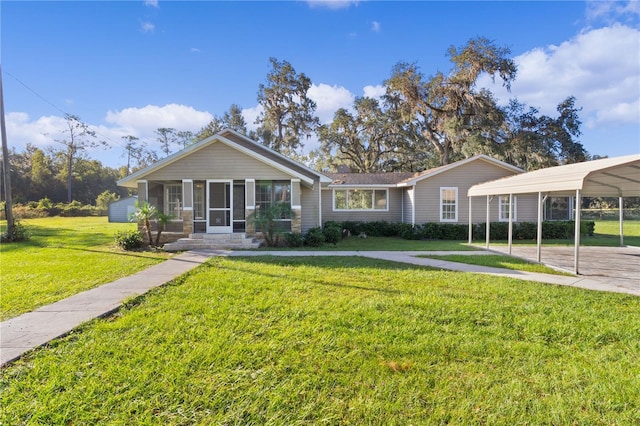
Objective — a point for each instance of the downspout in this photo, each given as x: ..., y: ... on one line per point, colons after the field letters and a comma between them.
x: 510, y: 221
x: 470, y: 221
x: 487, y: 225
x: 621, y: 204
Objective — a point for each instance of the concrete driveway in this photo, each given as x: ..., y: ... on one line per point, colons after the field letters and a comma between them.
x: 614, y: 266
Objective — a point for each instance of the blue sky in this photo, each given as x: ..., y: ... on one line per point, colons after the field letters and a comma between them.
x: 129, y: 67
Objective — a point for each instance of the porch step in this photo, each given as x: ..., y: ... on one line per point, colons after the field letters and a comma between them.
x: 214, y: 242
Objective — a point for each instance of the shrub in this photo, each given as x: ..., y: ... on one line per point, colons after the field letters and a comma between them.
x: 20, y: 233
x: 294, y: 239
x: 332, y: 233
x: 129, y: 240
x: 314, y: 237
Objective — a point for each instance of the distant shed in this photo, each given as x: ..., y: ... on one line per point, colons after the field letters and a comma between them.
x: 119, y: 211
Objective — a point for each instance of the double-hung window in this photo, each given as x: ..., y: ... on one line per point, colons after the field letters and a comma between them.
x: 503, y: 202
x: 173, y: 200
x: 271, y: 192
x: 360, y: 199
x: 448, y: 204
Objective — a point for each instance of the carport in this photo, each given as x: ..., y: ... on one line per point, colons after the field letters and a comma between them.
x: 608, y: 177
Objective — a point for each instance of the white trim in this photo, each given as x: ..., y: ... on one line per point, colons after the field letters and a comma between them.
x: 296, y: 207
x: 319, y: 203
x: 457, y: 203
x: 295, y: 180
x: 502, y: 198
x: 249, y: 180
x: 348, y: 186
x: 221, y: 229
x: 187, y: 180
x: 187, y: 209
x: 373, y: 209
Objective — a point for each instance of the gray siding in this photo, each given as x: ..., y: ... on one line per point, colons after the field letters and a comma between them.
x: 394, y: 214
x: 462, y: 177
x: 119, y: 211
x: 407, y: 200
x: 310, y: 206
x: 217, y: 161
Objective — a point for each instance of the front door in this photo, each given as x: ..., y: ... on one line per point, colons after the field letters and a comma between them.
x: 219, y: 206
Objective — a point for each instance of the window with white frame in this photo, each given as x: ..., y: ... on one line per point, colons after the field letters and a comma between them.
x: 173, y: 200
x: 503, y: 202
x: 360, y: 199
x: 449, y: 204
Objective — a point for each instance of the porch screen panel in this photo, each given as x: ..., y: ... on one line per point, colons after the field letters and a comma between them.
x: 219, y: 198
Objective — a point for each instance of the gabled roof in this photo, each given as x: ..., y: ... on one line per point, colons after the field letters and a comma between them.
x: 368, y: 179
x: 242, y: 144
x: 441, y: 169
x: 608, y: 177
x: 407, y: 178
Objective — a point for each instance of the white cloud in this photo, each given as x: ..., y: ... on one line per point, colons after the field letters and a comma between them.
x: 147, y: 27
x: 143, y: 121
x: 250, y: 116
x: 152, y: 3
x: 375, y: 26
x: 375, y: 92
x: 600, y: 67
x: 194, y: 50
x: 329, y: 99
x: 331, y: 4
x: 612, y: 10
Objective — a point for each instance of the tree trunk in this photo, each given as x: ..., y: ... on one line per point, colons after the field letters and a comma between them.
x: 69, y: 176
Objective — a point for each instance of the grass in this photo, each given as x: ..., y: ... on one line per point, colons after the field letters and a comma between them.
x: 499, y: 261
x: 64, y: 257
x: 329, y: 340
x: 606, y: 235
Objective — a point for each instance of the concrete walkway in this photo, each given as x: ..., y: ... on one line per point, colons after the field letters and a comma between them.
x: 581, y: 281
x: 33, y: 329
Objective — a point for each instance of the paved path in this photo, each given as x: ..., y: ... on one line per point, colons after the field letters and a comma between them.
x: 582, y: 281
x: 33, y: 329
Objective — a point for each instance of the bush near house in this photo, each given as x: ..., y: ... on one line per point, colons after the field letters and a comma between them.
x: 459, y: 232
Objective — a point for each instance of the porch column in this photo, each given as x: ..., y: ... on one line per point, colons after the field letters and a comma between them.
x: 250, y: 208
x: 296, y: 206
x: 539, y: 230
x: 187, y: 206
x: 143, y: 196
x: 143, y: 191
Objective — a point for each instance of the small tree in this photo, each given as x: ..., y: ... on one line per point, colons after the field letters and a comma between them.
x: 104, y: 199
x: 161, y: 220
x: 144, y: 213
x: 266, y: 220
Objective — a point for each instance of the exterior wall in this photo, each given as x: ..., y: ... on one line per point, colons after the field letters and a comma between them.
x: 393, y: 214
x: 427, y: 192
x: 408, y: 200
x: 217, y: 161
x: 309, y: 199
x: 120, y: 210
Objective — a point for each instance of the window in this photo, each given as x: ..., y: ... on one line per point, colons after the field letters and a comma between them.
x: 448, y: 204
x: 360, y: 199
x: 173, y: 200
x: 503, y: 210
x: 270, y: 192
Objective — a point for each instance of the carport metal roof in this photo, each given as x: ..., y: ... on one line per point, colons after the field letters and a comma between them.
x: 608, y: 177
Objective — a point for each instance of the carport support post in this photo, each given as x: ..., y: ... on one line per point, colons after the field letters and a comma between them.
x: 539, y: 233
x: 510, y: 221
x: 487, y: 227
x: 470, y: 223
x: 620, y: 203
x: 576, y: 249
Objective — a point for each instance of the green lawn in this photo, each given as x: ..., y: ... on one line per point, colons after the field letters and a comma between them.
x: 63, y: 257
x: 498, y: 261
x: 340, y: 341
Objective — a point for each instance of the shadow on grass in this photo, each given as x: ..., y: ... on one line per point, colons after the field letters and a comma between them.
x: 328, y: 262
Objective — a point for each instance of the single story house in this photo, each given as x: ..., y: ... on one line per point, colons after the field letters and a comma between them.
x: 120, y: 210
x: 214, y: 187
